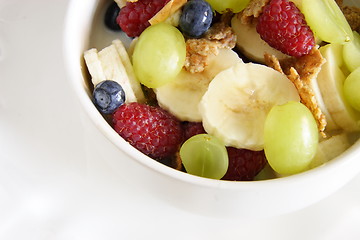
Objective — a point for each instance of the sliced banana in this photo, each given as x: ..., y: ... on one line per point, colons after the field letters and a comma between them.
x: 121, y: 3
x: 330, y: 123
x: 330, y: 148
x: 182, y: 96
x: 238, y: 100
x: 94, y: 66
x: 250, y: 43
x: 330, y: 81
x: 125, y: 60
x: 113, y: 63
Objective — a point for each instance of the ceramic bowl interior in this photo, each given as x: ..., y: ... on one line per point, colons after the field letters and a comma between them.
x: 83, y: 30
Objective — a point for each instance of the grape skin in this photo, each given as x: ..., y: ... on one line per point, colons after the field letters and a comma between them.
x: 159, y: 55
x: 205, y: 156
x: 351, y: 53
x: 235, y: 5
x: 351, y: 89
x: 290, y: 138
x: 327, y: 21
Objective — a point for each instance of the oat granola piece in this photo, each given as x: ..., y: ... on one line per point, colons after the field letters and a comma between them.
x: 223, y: 34
x: 197, y: 53
x: 308, y: 98
x: 169, y: 9
x: 273, y: 62
x: 352, y: 15
x: 302, y: 72
x: 253, y: 10
x: 220, y: 35
x: 308, y: 66
x: 339, y: 2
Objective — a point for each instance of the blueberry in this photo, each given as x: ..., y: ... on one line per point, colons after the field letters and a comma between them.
x: 108, y: 95
x: 111, y: 14
x: 196, y: 18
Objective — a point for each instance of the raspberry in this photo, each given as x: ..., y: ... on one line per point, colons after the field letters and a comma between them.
x: 244, y: 164
x: 151, y: 130
x: 192, y: 129
x: 135, y: 16
x: 284, y: 28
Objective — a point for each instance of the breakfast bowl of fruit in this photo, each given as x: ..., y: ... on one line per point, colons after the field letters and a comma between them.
x: 228, y: 108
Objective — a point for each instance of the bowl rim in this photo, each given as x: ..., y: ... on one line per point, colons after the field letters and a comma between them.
x: 72, y: 60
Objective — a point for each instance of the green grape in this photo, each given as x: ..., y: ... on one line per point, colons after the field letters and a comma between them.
x: 351, y: 89
x: 290, y: 138
x: 159, y: 55
x: 327, y: 20
x: 222, y: 5
x: 205, y: 156
x: 266, y: 173
x: 351, y: 53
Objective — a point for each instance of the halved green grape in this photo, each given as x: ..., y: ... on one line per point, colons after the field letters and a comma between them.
x: 351, y: 53
x: 159, y: 55
x: 205, y: 156
x: 290, y: 138
x: 351, y: 89
x: 222, y: 5
x: 327, y: 20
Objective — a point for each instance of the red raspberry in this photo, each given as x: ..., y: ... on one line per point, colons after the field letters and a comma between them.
x: 135, y: 16
x: 244, y: 164
x: 151, y: 130
x: 192, y: 129
x: 284, y: 28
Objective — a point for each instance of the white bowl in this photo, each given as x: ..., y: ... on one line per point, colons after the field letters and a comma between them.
x: 195, y: 194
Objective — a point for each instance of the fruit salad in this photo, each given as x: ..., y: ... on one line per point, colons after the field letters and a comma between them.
x: 234, y: 89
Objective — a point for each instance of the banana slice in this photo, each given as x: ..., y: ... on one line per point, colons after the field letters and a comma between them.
x: 121, y: 3
x: 94, y: 66
x: 330, y: 148
x: 113, y: 63
x: 331, y: 125
x: 330, y: 81
x: 125, y: 60
x: 182, y: 96
x: 238, y: 100
x: 250, y: 43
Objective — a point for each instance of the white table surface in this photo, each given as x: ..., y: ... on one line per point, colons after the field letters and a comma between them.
x: 53, y: 184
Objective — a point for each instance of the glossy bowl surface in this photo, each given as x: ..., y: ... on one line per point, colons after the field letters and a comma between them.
x: 195, y: 194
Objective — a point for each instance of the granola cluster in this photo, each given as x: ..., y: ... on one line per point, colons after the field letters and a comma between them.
x: 352, y: 15
x: 220, y: 35
x: 252, y: 11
